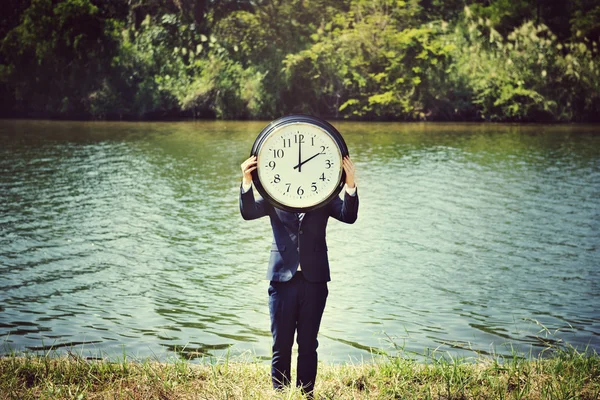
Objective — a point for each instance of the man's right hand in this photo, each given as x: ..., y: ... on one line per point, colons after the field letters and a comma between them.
x: 247, y: 167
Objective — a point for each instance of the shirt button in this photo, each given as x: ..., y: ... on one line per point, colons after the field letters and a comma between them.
x: 300, y: 231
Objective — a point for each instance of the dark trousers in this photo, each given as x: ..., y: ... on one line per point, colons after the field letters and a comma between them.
x: 296, y: 305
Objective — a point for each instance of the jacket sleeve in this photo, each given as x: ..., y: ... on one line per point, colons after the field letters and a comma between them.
x: 251, y: 208
x: 346, y: 210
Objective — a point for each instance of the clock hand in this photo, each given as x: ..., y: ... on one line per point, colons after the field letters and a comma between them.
x: 299, y: 155
x: 305, y: 161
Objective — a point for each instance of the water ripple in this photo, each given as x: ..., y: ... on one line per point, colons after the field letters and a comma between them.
x: 118, y: 236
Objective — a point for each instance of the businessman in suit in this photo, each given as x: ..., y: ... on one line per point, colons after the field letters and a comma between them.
x: 298, y: 272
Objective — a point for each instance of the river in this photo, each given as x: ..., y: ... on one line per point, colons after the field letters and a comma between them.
x: 126, y: 238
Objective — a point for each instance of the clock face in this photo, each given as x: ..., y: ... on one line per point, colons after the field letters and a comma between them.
x: 299, y: 166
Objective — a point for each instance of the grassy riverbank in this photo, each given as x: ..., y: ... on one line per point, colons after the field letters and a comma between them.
x: 564, y: 375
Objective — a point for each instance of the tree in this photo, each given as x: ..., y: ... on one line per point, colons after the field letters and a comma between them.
x: 56, y: 56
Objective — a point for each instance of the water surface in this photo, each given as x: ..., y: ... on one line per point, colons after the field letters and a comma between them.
x: 126, y: 237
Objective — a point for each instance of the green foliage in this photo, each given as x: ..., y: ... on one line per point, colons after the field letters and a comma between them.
x: 56, y: 56
x: 384, y: 59
x: 585, y: 20
x: 528, y: 75
x: 231, y: 91
x: 369, y: 64
x: 265, y: 35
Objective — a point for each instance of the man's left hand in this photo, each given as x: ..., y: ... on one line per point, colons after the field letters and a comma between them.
x: 349, y: 168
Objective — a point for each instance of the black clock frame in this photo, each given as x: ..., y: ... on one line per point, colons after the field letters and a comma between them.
x: 290, y: 119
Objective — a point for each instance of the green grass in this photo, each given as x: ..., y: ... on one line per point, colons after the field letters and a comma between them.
x: 565, y: 374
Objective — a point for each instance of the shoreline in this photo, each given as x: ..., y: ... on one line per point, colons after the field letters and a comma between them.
x: 564, y: 374
x: 50, y: 118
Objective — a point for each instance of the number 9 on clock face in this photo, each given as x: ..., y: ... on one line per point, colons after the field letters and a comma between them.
x: 299, y: 163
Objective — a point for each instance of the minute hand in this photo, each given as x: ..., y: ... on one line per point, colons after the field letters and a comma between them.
x: 307, y: 160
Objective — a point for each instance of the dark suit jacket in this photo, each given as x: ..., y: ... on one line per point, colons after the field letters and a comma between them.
x: 296, y: 241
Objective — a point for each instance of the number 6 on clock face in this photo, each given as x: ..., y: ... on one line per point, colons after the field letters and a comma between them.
x: 299, y: 161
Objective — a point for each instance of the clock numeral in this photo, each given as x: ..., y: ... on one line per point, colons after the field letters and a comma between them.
x: 323, y: 149
x: 271, y: 165
x: 314, y: 186
x: 278, y: 153
x: 276, y: 178
x: 300, y: 191
x: 289, y: 185
x: 312, y: 141
x: 322, y: 177
x: 299, y: 138
x: 287, y: 142
x: 329, y: 164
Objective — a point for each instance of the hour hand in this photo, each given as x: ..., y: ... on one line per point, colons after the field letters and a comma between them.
x: 305, y: 161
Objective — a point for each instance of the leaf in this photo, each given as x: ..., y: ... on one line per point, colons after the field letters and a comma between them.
x: 350, y: 102
x: 383, y: 98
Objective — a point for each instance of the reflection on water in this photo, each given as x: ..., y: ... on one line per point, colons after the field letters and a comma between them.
x: 127, y: 236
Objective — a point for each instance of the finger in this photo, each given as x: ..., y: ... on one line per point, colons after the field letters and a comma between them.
x: 250, y: 168
x: 351, y: 164
x: 349, y: 171
x: 248, y: 162
x: 348, y: 165
x: 249, y: 159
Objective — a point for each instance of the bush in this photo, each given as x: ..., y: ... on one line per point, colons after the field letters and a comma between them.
x: 526, y: 76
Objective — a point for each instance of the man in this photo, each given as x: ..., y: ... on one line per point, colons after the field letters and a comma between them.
x: 298, y: 274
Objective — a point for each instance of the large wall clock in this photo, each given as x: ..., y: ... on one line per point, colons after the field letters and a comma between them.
x: 299, y: 163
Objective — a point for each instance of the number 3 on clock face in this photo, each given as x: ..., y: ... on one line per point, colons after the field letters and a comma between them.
x: 299, y: 163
